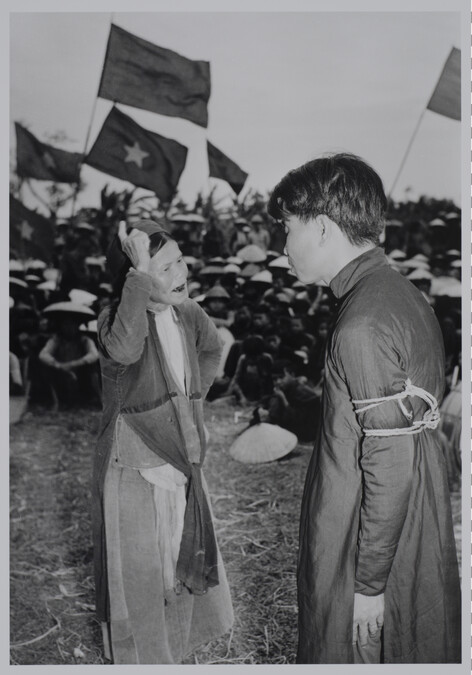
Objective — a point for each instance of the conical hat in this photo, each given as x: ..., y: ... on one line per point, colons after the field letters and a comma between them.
x: 16, y: 266
x: 264, y: 277
x: 211, y: 269
x: 445, y: 286
x: 217, y: 292
x: 82, y: 297
x: 250, y: 270
x: 252, y: 253
x: 415, y: 264
x: 262, y: 443
x: 69, y: 308
x: 234, y: 259
x: 47, y: 285
x: 419, y: 274
x: 35, y: 265
x: 217, y: 260
x: 231, y: 268
x: 396, y: 254
x: 18, y: 282
x: 281, y: 261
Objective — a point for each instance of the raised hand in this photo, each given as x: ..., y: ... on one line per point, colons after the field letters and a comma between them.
x: 135, y: 245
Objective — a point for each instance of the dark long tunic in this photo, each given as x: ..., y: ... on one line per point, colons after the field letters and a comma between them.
x: 376, y: 515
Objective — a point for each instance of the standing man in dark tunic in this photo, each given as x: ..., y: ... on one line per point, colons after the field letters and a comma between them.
x: 378, y: 577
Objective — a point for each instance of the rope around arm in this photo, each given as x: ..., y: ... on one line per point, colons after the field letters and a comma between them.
x: 430, y: 418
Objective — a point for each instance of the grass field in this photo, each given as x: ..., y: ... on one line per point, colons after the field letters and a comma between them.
x: 256, y: 511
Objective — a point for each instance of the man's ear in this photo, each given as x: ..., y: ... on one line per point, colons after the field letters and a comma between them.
x: 326, y: 227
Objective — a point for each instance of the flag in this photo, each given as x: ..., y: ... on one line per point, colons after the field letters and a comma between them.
x: 446, y: 98
x: 141, y: 74
x: 125, y: 150
x: 44, y: 162
x: 223, y: 167
x: 31, y: 234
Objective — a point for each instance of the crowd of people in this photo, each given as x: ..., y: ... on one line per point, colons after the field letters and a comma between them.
x: 274, y: 327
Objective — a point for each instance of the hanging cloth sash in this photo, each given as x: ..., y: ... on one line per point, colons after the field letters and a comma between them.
x: 430, y: 418
x: 167, y: 425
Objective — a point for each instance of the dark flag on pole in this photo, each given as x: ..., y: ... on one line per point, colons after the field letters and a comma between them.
x: 446, y: 98
x: 223, y: 167
x: 44, y: 162
x: 31, y: 234
x: 138, y: 73
x: 127, y: 151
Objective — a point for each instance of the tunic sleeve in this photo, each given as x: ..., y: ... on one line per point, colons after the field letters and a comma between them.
x: 123, y: 339
x: 372, y: 368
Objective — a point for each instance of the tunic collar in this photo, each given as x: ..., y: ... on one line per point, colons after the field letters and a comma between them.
x: 358, y: 268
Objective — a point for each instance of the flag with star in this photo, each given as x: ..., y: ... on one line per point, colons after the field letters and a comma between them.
x: 127, y: 151
x: 223, y: 167
x: 44, y: 162
x: 138, y: 73
x: 31, y: 234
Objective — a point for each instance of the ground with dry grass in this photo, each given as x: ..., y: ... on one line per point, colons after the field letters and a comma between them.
x: 256, y: 511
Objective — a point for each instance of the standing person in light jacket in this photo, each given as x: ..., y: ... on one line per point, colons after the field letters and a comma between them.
x: 160, y: 583
x: 377, y: 575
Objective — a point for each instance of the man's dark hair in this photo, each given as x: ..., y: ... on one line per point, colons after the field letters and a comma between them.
x: 342, y: 187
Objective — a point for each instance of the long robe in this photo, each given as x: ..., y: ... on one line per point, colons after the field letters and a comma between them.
x: 376, y: 514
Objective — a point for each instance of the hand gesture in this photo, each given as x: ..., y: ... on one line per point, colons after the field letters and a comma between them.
x: 136, y: 246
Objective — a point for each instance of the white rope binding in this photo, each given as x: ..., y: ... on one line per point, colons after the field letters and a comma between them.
x: 430, y: 418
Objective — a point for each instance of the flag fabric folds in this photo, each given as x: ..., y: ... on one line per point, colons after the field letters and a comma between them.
x: 138, y: 73
x: 223, y: 167
x: 446, y: 98
x: 127, y: 151
x: 44, y: 162
x: 31, y: 234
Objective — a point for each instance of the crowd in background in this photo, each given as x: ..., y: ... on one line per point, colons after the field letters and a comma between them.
x: 274, y: 328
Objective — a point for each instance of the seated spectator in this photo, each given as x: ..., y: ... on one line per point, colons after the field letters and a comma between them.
x: 252, y: 380
x: 294, y: 405
x: 215, y: 303
x: 262, y: 323
x: 295, y: 334
x: 70, y: 358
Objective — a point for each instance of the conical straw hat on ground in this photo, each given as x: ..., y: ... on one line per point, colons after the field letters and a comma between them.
x: 262, y: 443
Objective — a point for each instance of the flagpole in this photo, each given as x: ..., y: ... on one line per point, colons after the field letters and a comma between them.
x: 413, y: 137
x: 89, y: 130
x: 402, y: 164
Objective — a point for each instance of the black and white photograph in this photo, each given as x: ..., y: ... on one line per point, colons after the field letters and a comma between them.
x: 239, y: 425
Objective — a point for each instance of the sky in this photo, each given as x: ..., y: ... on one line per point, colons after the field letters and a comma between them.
x: 286, y: 87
